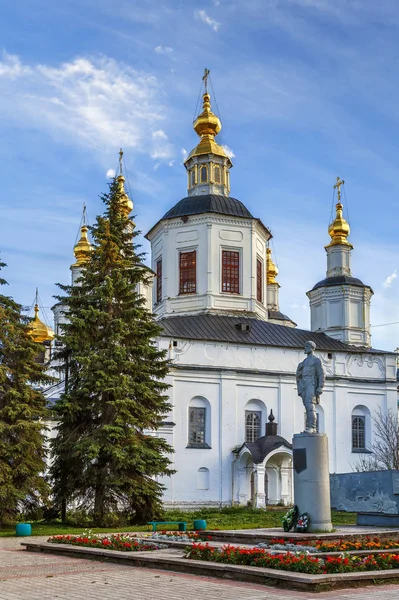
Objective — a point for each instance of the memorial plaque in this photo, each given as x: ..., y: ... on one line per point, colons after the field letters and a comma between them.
x: 299, y: 456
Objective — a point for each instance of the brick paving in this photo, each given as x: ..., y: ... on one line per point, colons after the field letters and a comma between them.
x: 34, y: 576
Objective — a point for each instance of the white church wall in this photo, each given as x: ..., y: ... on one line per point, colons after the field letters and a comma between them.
x: 352, y: 380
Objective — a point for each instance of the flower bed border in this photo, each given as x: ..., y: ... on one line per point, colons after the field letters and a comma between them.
x: 159, y: 559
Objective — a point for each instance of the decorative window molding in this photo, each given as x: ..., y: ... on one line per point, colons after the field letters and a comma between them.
x: 204, y: 174
x: 159, y: 279
x: 192, y: 177
x: 188, y: 272
x: 216, y: 174
x: 252, y: 425
x: 231, y: 271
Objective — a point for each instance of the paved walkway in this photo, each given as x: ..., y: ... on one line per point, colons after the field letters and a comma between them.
x: 34, y: 576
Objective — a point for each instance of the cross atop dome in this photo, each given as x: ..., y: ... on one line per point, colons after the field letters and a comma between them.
x: 208, y: 164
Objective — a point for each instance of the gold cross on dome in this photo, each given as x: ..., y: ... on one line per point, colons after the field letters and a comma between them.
x: 205, y: 79
x: 337, y: 186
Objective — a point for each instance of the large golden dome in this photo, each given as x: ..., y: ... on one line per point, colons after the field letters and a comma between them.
x: 39, y: 331
x: 207, y: 125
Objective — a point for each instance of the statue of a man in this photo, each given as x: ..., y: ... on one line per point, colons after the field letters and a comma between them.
x: 310, y: 381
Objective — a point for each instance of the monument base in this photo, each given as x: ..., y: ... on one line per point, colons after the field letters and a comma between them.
x: 312, y: 479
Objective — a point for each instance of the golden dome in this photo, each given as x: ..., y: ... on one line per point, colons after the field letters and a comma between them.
x: 39, y: 331
x: 83, y: 247
x: 207, y: 125
x: 339, y: 229
x: 124, y: 201
x: 271, y: 269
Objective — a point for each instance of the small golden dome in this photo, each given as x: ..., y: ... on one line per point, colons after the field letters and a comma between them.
x: 339, y: 229
x: 271, y: 269
x: 207, y: 125
x: 124, y: 201
x: 83, y: 247
x: 39, y: 331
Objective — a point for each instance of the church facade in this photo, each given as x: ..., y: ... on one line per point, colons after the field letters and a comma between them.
x: 234, y: 354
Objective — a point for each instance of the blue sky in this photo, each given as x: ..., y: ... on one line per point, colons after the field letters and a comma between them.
x: 307, y: 90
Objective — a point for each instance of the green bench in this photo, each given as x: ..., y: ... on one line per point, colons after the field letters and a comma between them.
x: 182, y: 524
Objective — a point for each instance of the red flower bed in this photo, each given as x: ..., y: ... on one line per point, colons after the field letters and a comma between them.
x: 124, y: 543
x: 302, y: 563
x: 343, y: 545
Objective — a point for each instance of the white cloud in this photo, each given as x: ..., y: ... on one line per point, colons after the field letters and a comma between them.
x: 184, y: 153
x: 202, y: 16
x: 163, y: 49
x: 159, y: 135
x: 11, y: 67
x: 111, y: 173
x: 228, y: 151
x: 95, y: 101
x: 390, y: 279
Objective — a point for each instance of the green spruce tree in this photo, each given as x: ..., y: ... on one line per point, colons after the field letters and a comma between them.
x: 22, y: 410
x: 106, y: 456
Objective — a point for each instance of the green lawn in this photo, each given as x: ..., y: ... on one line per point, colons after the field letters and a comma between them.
x: 225, y: 518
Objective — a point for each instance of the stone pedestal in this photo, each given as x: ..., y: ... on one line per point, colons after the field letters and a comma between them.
x: 312, y: 479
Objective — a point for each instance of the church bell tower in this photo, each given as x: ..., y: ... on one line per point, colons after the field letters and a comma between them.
x: 340, y: 303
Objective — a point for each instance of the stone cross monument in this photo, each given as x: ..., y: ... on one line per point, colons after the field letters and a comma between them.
x: 310, y: 449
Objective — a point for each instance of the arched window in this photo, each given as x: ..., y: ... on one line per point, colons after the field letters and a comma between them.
x: 252, y: 425
x: 204, y: 174
x: 255, y: 416
x: 199, y: 423
x: 192, y: 177
x: 361, y: 426
x: 203, y: 478
x: 217, y: 174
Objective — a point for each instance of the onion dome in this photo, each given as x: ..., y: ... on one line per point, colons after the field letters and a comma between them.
x: 39, y: 331
x: 83, y: 247
x: 207, y: 125
x: 339, y: 229
x: 271, y: 269
x: 125, y: 203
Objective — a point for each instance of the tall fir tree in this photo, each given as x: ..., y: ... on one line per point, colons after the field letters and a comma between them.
x: 22, y: 410
x: 106, y: 453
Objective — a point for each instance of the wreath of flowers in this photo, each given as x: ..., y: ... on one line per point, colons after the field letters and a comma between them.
x: 290, y: 518
x: 302, y: 523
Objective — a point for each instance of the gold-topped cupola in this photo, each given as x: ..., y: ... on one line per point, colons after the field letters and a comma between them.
x: 37, y: 330
x: 125, y: 202
x: 339, y: 229
x: 207, y: 164
x: 83, y: 247
x: 271, y: 269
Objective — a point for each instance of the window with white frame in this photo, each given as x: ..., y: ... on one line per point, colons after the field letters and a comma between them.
x: 252, y: 425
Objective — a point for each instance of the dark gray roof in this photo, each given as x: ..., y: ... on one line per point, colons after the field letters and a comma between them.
x: 339, y: 280
x: 209, y: 203
x: 220, y: 328
x: 264, y: 445
x: 276, y: 315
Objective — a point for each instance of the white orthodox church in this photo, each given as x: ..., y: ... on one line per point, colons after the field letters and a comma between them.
x: 234, y: 353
